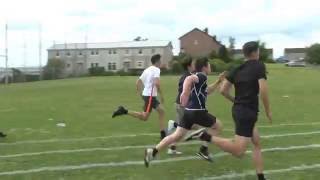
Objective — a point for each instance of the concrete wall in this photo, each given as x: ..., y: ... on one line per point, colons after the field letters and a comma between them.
x: 124, y: 58
x: 294, y: 56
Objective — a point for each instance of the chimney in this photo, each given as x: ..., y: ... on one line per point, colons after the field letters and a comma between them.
x: 206, y: 30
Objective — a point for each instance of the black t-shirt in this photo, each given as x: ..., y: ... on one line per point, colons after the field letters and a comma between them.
x: 198, y: 96
x: 180, y: 85
x: 246, y: 82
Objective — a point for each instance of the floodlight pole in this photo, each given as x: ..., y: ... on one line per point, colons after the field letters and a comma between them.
x: 6, y: 54
x: 40, y: 52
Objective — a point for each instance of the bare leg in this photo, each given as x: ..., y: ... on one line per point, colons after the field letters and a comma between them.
x: 237, y: 147
x: 173, y: 138
x: 162, y: 123
x: 256, y: 154
x: 143, y: 116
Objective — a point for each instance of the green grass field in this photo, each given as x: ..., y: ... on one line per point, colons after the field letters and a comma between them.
x: 94, y: 146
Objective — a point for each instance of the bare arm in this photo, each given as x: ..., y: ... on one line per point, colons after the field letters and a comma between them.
x: 187, y: 86
x: 157, y: 85
x: 139, y: 86
x: 214, y: 86
x: 264, y: 96
x: 225, y: 90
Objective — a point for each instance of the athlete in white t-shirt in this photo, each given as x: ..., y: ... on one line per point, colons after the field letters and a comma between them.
x: 150, y: 82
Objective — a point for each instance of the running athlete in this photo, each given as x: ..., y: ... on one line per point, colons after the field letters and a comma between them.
x: 188, y: 67
x: 249, y: 81
x: 150, y: 82
x: 193, y: 100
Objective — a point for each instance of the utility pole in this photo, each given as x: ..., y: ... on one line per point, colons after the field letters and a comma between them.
x: 6, y: 55
x: 40, y: 52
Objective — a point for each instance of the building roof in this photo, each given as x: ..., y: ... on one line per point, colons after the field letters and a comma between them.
x: 197, y: 29
x: 111, y: 45
x: 294, y: 50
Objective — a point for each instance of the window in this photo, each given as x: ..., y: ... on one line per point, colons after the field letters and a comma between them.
x: 94, y: 65
x: 97, y: 52
x: 140, y: 64
x: 196, y: 42
x: 80, y: 53
x: 114, y: 51
x: 92, y: 52
x: 127, y: 51
x: 68, y: 53
x: 112, y: 66
x: 140, y: 51
x: 68, y: 65
x: 57, y: 54
x: 153, y: 51
x: 110, y: 51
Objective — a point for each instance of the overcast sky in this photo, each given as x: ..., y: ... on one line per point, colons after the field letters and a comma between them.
x: 279, y: 23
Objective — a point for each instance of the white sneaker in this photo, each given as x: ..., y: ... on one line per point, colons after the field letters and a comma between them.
x: 173, y: 152
x: 148, y: 157
x: 171, y: 127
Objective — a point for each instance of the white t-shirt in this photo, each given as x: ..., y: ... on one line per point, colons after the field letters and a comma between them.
x: 147, y: 78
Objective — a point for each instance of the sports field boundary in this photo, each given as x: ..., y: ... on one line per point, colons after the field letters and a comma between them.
x: 130, y: 163
x: 68, y: 151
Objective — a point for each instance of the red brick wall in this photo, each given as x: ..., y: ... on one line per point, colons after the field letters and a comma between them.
x: 197, y: 43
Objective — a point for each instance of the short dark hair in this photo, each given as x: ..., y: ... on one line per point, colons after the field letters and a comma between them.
x: 250, y: 47
x: 155, y: 58
x: 200, y: 63
x: 186, y: 63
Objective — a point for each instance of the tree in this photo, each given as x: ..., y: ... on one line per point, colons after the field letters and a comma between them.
x: 54, y: 69
x: 313, y: 54
x: 232, y: 42
x: 264, y: 54
x: 224, y: 54
x: 213, y: 55
x: 139, y: 38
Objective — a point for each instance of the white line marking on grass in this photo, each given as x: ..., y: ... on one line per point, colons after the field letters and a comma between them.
x: 289, y: 124
x: 86, y: 150
x: 66, y: 151
x: 130, y: 163
x: 76, y: 139
x: 126, y: 136
x: 252, y: 173
x: 290, y: 134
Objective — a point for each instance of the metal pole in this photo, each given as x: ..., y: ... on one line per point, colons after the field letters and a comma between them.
x: 6, y: 54
x: 40, y: 52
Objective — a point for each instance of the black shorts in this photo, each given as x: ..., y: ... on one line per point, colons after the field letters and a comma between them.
x: 154, y: 103
x: 201, y: 117
x: 245, y: 119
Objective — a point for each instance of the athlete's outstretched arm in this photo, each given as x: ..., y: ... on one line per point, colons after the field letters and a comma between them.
x: 139, y: 86
x: 187, y: 86
x: 214, y: 86
x: 225, y: 90
x: 264, y: 95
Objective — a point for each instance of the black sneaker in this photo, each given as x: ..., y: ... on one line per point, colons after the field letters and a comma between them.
x: 195, y: 135
x: 2, y: 135
x: 120, y: 111
x: 204, y: 154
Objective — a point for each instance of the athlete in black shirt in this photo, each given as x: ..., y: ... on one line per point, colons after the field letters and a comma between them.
x: 188, y: 67
x: 249, y: 81
x: 193, y: 99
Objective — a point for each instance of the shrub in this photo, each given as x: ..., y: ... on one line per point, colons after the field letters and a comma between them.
x: 218, y: 65
x: 97, y: 71
x: 313, y: 54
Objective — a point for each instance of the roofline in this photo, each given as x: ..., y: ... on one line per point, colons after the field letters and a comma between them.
x: 52, y: 49
x: 212, y: 37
